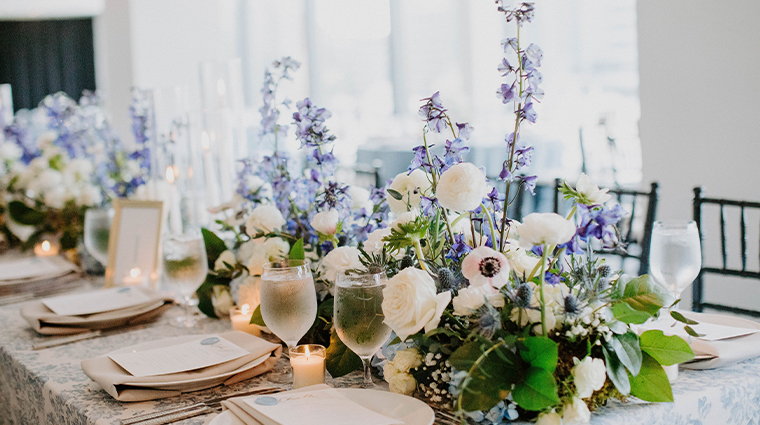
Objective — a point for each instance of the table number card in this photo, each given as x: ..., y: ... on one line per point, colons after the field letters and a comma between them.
x: 96, y: 301
x: 191, y: 355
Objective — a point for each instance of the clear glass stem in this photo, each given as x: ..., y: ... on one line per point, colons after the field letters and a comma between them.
x: 367, y: 373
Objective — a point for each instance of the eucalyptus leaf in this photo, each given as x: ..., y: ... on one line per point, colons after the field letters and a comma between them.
x: 626, y: 314
x: 537, y: 390
x: 540, y: 352
x: 340, y: 360
x: 651, y: 384
x: 297, y: 252
x: 667, y: 350
x: 616, y: 371
x: 683, y: 319
x: 689, y: 330
x: 627, y: 349
x: 395, y: 194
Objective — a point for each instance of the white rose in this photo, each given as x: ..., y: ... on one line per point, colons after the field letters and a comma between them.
x: 222, y: 301
x: 411, y: 187
x: 551, y: 418
x: 576, y: 413
x: 265, y: 218
x: 88, y: 196
x: 405, y: 218
x: 590, y: 190
x: 589, y: 375
x: 249, y: 292
x: 545, y: 228
x: 326, y: 222
x: 360, y: 198
x: 462, y: 187
x: 272, y: 249
x: 225, y: 257
x: 407, y: 359
x: 374, y: 243
x: 254, y: 183
x: 402, y: 383
x: 10, y: 151
x: 247, y: 249
x: 55, y: 197
x: 338, y: 260
x: 389, y: 371
x: 410, y: 302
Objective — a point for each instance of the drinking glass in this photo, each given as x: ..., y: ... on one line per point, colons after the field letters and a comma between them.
x: 675, y: 256
x: 359, y: 319
x: 185, y: 267
x: 97, y: 230
x: 288, y: 303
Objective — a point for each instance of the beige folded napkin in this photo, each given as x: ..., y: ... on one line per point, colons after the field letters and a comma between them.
x: 243, y: 414
x: 123, y: 386
x: 44, y: 321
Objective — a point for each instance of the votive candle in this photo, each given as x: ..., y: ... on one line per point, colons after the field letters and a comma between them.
x: 46, y: 249
x: 241, y: 320
x: 308, y: 363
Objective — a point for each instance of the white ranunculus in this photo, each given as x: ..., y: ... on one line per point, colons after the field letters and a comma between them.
x: 405, y: 218
x: 266, y: 218
x: 470, y: 299
x: 462, y: 187
x: 89, y: 195
x: 411, y: 187
x: 590, y: 190
x: 273, y: 249
x: 407, y: 359
x: 247, y: 248
x: 519, y: 259
x: 226, y: 256
x: 360, y: 198
x: 10, y: 151
x: 576, y: 413
x: 338, y: 260
x: 411, y: 304
x: 55, y: 197
x: 389, y: 371
x: 374, y: 243
x: 551, y: 418
x: 221, y: 299
x: 402, y: 383
x: 545, y: 228
x: 589, y: 375
x: 326, y: 222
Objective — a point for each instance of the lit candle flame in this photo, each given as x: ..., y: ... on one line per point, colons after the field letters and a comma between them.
x: 134, y: 273
x: 45, y: 246
x: 170, y: 174
x: 307, y: 352
x: 245, y: 309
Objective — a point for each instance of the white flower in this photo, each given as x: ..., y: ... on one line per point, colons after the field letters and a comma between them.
x: 484, y: 266
x: 254, y: 183
x: 272, y: 249
x: 133, y: 168
x: 410, y: 302
x: 360, y: 198
x: 519, y: 259
x: 226, y: 256
x: 589, y: 375
x: 221, y: 299
x: 47, y: 179
x: 554, y: 303
x: 576, y: 413
x: 247, y: 248
x: 462, y: 187
x: 586, y: 187
x: 78, y: 170
x: 46, y: 139
x: 551, y: 418
x: 545, y: 228
x: 265, y: 218
x: 374, y: 243
x: 402, y: 383
x: 473, y: 297
x: 340, y: 259
x: 10, y: 151
x: 89, y: 195
x: 55, y: 197
x: 389, y: 371
x: 249, y: 292
x: 405, y: 218
x: 326, y: 222
x: 407, y: 359
x: 410, y: 186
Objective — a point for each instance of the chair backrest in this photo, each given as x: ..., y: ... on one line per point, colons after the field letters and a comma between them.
x: 698, y: 303
x: 635, y: 228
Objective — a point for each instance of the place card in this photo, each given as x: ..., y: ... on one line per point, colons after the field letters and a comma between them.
x: 322, y: 407
x: 96, y: 301
x: 711, y: 331
x: 196, y: 354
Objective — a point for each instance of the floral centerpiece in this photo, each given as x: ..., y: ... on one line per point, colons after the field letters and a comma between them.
x: 500, y: 319
x: 58, y: 160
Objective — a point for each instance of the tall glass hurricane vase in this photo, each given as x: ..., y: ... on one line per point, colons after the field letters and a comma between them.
x: 288, y: 303
x: 185, y: 267
x: 675, y: 256
x: 359, y: 319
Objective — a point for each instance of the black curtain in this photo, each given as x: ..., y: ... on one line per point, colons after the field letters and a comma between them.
x: 42, y: 57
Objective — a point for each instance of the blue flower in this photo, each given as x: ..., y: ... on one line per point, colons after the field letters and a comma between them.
x: 535, y: 54
x: 528, y: 113
x: 507, y: 93
x: 433, y: 112
x: 465, y: 130
x: 505, y: 67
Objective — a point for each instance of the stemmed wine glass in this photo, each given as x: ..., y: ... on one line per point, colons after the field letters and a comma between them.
x: 675, y: 257
x: 185, y: 267
x: 97, y: 230
x: 359, y: 319
x: 288, y: 303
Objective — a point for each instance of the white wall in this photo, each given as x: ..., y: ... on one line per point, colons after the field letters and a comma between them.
x: 700, y: 112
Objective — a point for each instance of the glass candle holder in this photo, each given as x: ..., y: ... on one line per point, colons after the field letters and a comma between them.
x: 308, y: 363
x: 241, y: 320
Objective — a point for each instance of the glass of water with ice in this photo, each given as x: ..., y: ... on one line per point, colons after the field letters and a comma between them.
x: 675, y: 255
x: 185, y: 266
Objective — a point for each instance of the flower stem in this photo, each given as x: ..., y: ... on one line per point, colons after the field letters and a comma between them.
x: 490, y: 223
x: 541, y: 288
x: 420, y: 255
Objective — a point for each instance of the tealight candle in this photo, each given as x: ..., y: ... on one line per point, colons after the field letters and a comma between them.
x: 308, y: 363
x: 45, y: 249
x: 241, y: 320
x: 135, y: 277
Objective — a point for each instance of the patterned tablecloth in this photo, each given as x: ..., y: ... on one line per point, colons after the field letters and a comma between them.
x: 49, y: 387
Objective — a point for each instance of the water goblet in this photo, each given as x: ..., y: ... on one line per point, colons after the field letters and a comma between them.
x: 185, y: 267
x: 675, y: 255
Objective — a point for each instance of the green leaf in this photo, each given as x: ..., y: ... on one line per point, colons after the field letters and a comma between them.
x: 205, y: 292
x: 340, y: 359
x: 683, y: 319
x: 297, y: 251
x: 395, y: 194
x: 667, y: 350
x: 214, y: 246
x: 651, y: 384
x: 616, y: 371
x: 493, y: 369
x: 537, y: 391
x: 689, y: 330
x: 643, y: 294
x: 69, y: 239
x: 23, y: 214
x: 540, y: 352
x: 624, y: 313
x: 627, y: 349
x: 256, y: 318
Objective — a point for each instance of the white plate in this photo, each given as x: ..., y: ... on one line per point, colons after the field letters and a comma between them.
x: 401, y: 407
x: 720, y: 319
x: 209, y: 381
